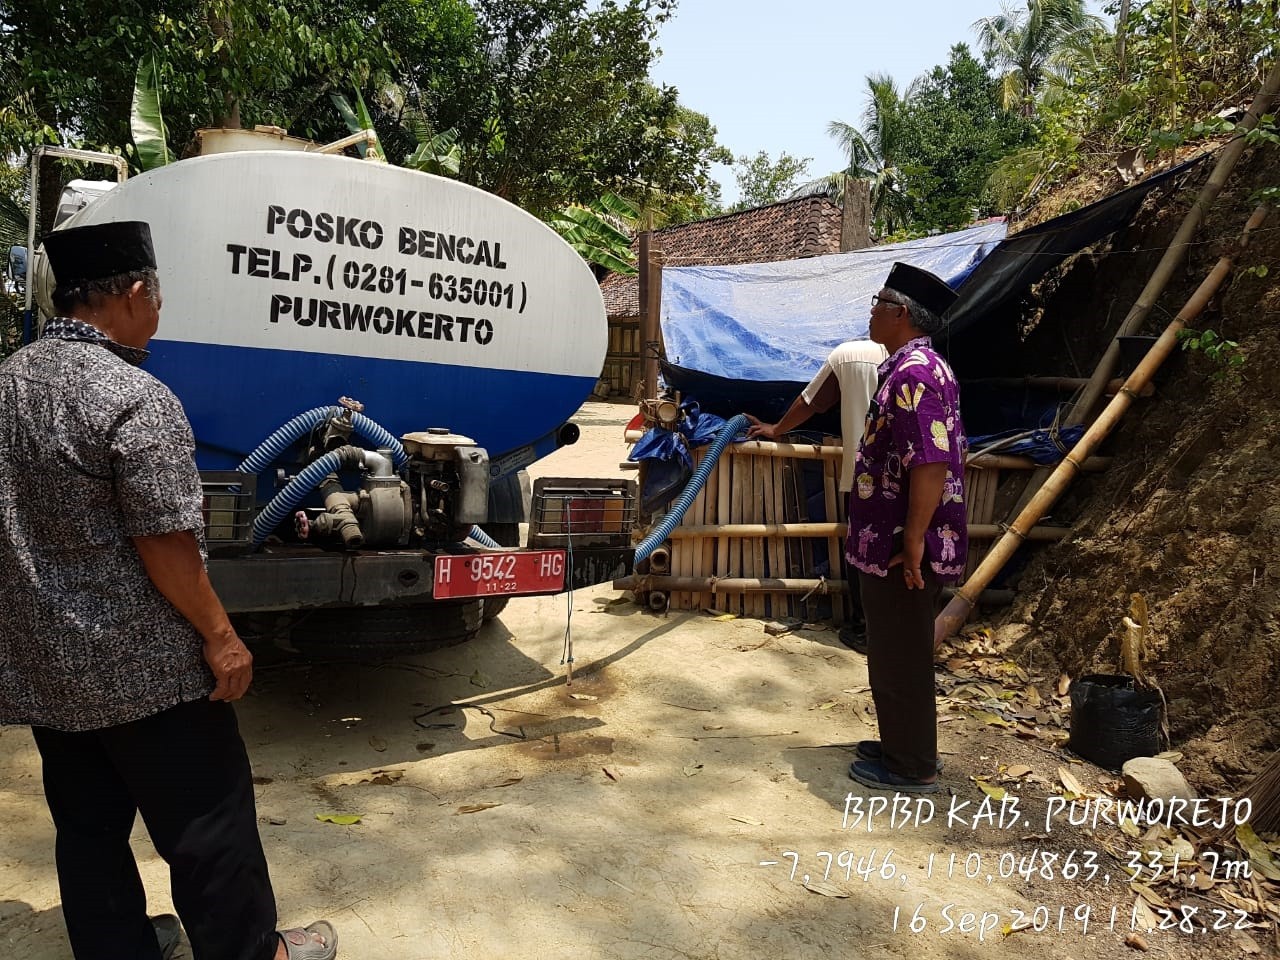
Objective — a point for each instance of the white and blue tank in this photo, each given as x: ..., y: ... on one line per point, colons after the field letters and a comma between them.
x: 291, y: 279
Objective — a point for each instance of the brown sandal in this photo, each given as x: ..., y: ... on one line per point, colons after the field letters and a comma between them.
x: 316, y: 941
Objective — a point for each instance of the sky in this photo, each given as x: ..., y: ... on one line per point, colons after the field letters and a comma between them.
x: 772, y: 75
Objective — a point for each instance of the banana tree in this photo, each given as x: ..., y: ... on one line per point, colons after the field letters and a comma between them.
x: 146, y: 119
x: 600, y: 231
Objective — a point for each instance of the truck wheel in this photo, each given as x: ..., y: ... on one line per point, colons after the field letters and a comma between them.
x: 385, y: 632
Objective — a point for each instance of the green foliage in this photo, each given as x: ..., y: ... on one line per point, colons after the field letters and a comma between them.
x: 1225, y: 355
x: 358, y: 121
x: 1032, y: 46
x: 147, y: 118
x: 219, y: 62
x: 13, y: 225
x: 549, y: 101
x: 872, y: 154
x: 438, y: 154
x: 954, y: 131
x: 601, y: 231
x: 1185, y: 65
x: 762, y: 180
x: 928, y: 154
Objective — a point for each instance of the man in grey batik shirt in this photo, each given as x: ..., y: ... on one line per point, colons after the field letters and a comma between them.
x: 114, y: 647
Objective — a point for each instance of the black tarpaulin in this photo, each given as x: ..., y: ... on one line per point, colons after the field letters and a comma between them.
x: 1022, y: 259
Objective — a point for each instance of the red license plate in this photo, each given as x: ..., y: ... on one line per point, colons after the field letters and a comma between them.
x: 487, y: 574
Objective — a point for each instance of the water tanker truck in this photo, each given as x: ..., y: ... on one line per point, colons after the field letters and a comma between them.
x: 369, y: 356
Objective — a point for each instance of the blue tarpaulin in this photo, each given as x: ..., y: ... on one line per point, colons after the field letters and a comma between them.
x: 778, y: 321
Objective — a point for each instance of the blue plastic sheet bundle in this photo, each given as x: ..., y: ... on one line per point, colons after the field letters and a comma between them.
x: 1044, y: 447
x: 669, y: 463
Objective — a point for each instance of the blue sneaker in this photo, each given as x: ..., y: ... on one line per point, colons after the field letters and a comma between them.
x: 874, y: 750
x: 872, y: 773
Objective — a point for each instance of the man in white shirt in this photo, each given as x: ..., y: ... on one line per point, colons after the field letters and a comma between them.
x: 847, y: 377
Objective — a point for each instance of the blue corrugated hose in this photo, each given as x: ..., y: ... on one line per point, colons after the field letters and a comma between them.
x: 299, y: 426
x: 284, y: 502
x: 685, y: 500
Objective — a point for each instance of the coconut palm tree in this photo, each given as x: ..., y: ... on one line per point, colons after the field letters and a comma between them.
x: 871, y: 153
x: 1032, y: 45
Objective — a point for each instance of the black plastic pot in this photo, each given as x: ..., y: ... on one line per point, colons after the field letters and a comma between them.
x: 1132, y: 352
x: 1112, y: 721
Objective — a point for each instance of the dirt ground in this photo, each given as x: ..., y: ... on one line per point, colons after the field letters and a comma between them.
x: 651, y: 809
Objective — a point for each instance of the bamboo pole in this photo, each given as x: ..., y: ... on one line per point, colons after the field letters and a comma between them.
x: 820, y: 531
x: 955, y: 612
x: 1061, y: 384
x: 1004, y: 461
x: 800, y: 451
x: 1177, y: 248
x: 1164, y: 269
x: 643, y: 389
x: 743, y: 585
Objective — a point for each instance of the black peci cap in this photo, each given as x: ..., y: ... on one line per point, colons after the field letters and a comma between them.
x: 80, y: 254
x: 921, y: 286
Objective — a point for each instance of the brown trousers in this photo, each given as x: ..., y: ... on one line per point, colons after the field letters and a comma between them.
x: 900, y: 665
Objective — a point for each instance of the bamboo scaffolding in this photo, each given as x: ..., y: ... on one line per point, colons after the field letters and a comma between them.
x: 655, y: 583
x: 821, y: 531
x: 1164, y: 269
x: 734, y: 585
x: 957, y: 610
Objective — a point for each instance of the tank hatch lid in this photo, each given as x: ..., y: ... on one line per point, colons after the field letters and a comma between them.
x: 426, y: 443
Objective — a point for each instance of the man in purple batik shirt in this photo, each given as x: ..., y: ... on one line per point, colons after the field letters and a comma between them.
x: 907, y: 533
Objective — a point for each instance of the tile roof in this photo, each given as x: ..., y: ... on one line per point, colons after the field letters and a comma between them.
x: 789, y: 230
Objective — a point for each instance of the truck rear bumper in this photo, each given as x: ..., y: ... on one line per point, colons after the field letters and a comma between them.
x: 291, y: 579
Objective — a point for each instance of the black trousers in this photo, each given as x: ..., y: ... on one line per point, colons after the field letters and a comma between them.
x: 900, y: 668
x: 185, y: 769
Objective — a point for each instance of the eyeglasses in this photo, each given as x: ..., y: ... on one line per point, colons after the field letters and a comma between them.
x: 877, y: 299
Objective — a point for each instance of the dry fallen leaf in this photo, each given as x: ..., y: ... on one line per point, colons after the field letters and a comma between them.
x: 1017, y: 771
x: 1149, y: 895
x: 341, y: 819
x: 1246, y: 904
x: 825, y: 889
x: 275, y: 821
x: 827, y: 706
x: 1260, y: 857
x: 986, y: 716
x: 713, y: 726
x: 378, y: 744
x: 748, y: 820
x: 511, y: 780
x: 610, y: 773
x: 1146, y: 918
x: 692, y: 769
x: 723, y: 617
x: 995, y: 793
x: 1071, y: 783
x: 383, y: 778
x: 477, y: 807
x: 1064, y: 684
x: 1136, y: 941
x: 1022, y: 923
x: 1245, y: 943
x: 582, y: 696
